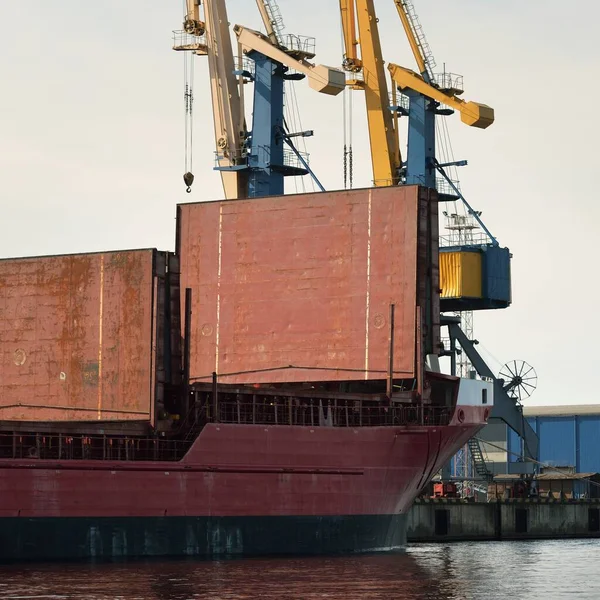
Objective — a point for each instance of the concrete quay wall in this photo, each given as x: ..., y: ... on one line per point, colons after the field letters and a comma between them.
x: 450, y: 519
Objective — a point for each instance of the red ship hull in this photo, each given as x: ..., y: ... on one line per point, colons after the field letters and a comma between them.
x: 289, y: 402
x: 240, y: 489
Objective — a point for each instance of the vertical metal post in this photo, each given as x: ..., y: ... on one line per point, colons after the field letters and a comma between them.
x: 452, y: 355
x: 420, y: 369
x: 215, y: 393
x: 390, y: 378
x: 187, y: 349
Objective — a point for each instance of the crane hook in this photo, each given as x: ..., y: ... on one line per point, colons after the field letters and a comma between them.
x: 188, y: 179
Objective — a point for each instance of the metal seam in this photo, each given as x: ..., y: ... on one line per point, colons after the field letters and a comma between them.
x: 219, y: 289
x: 101, y: 315
x: 368, y: 292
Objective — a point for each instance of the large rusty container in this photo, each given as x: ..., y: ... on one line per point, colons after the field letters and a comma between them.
x: 82, y: 336
x: 298, y: 288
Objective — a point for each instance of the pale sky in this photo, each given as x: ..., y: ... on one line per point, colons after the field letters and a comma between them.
x: 91, y: 144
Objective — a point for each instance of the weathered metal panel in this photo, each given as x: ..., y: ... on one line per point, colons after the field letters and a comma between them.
x: 76, y: 336
x: 497, y: 276
x: 303, y: 280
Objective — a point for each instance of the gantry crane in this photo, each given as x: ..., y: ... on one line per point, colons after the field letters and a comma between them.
x: 253, y: 162
x: 471, y: 276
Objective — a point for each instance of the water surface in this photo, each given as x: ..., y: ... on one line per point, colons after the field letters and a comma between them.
x: 513, y: 570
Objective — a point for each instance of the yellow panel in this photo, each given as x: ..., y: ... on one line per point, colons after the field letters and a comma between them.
x: 450, y: 281
x: 471, y: 274
x: 460, y: 274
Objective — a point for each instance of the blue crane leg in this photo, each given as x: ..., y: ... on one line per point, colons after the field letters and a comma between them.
x: 266, y: 153
x: 420, y: 168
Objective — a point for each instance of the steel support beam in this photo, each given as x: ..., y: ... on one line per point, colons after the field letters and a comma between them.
x: 266, y: 159
x: 505, y: 408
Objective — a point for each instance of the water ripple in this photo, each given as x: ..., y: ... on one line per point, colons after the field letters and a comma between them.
x: 524, y: 570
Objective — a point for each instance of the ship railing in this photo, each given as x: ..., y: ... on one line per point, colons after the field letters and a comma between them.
x: 59, y: 446
x: 244, y: 66
x: 290, y: 411
x: 273, y: 411
x: 461, y: 238
x: 184, y: 41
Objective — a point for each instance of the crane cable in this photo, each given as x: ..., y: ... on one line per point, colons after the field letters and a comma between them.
x: 296, y: 106
x: 292, y: 109
x: 350, y: 154
x: 290, y: 122
x: 347, y: 160
x: 188, y: 99
x: 345, y: 156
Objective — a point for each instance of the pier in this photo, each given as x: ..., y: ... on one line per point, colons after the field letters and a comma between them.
x: 453, y: 519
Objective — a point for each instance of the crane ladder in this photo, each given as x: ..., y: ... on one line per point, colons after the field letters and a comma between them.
x: 275, y: 18
x: 419, y: 34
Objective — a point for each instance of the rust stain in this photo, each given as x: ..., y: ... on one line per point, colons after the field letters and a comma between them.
x: 80, y: 327
x: 90, y: 375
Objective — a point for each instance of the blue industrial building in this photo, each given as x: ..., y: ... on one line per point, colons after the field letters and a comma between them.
x: 569, y: 437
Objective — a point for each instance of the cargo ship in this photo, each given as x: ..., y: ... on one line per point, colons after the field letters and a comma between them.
x: 270, y: 387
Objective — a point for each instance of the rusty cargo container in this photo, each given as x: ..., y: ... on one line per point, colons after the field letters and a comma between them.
x: 298, y: 288
x: 83, y: 336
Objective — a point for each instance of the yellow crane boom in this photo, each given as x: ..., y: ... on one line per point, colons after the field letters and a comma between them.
x: 323, y: 79
x: 385, y: 155
x: 471, y: 113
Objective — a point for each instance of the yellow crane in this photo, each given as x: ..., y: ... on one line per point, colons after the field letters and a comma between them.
x: 363, y: 60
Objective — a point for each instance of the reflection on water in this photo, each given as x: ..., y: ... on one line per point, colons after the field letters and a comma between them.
x: 515, y: 570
